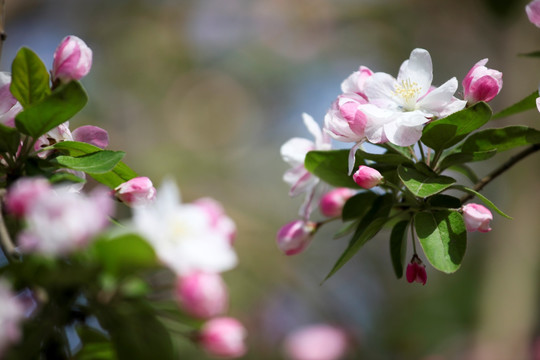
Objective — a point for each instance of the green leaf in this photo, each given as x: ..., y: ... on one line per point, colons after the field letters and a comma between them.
x: 95, y: 345
x: 443, y: 200
x: 331, y: 167
x: 358, y: 205
x: 523, y: 105
x: 346, y: 229
x: 388, y: 158
x: 461, y: 157
x: 398, y: 246
x: 99, y: 162
x: 30, y: 79
x: 501, y: 139
x: 465, y: 170
x: 443, y: 238
x: 10, y: 139
x: 421, y: 184
x: 484, y: 199
x: 51, y: 111
x: 530, y: 54
x: 65, y: 177
x: 444, y: 133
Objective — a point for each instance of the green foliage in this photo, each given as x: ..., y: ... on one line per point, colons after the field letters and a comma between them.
x: 528, y: 103
x: 424, y: 183
x: 398, y: 246
x: 10, y: 139
x: 358, y: 205
x: 99, y: 162
x: 331, y: 167
x: 29, y: 78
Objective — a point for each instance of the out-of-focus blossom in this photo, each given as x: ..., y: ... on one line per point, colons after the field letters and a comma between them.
x: 533, y: 12
x: 295, y: 236
x: 203, y: 295
x: 416, y: 271
x: 138, y: 191
x: 24, y: 193
x: 182, y: 234
x: 11, y: 314
x: 9, y: 106
x: 72, y: 59
x: 93, y: 135
x: 332, y: 202
x: 477, y: 217
x: 61, y: 221
x: 481, y: 83
x: 367, y: 177
x: 316, y: 342
x: 218, y: 219
x: 223, y: 337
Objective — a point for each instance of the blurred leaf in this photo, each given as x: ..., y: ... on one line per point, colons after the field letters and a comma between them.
x: 346, y: 229
x: 95, y: 345
x: 358, y: 205
x: 65, y: 176
x: 530, y: 54
x: 527, y: 103
x: 53, y: 110
x: 443, y: 238
x: 501, y: 139
x: 447, y: 201
x: 331, y: 167
x: 398, y: 246
x: 29, y: 78
x: 465, y: 170
x: 484, y: 199
x: 421, y: 184
x: 10, y: 139
x: 97, y: 163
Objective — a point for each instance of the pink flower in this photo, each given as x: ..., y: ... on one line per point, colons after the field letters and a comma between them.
x: 295, y: 236
x: 316, y: 342
x: 89, y: 134
x: 203, y: 295
x: 9, y: 106
x: 218, y: 219
x: 477, y: 217
x: 138, y: 191
x: 11, y: 313
x: 23, y: 194
x: 367, y: 177
x: 481, y: 83
x: 223, y: 337
x: 356, y: 82
x: 533, y: 12
x: 332, y: 202
x: 72, y: 59
x: 416, y: 271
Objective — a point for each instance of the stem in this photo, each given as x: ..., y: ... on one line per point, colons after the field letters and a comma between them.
x: 436, y: 159
x: 411, y: 150
x: 5, y: 239
x: 501, y: 169
x: 2, y: 22
x: 422, y: 151
x: 412, y: 236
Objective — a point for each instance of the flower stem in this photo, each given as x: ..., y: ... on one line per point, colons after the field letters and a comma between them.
x: 422, y: 152
x: 413, y: 237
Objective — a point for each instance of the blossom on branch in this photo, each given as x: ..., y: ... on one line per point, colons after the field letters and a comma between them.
x: 72, y: 59
x: 481, y: 83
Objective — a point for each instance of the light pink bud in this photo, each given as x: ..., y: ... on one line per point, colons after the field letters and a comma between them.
x: 91, y: 135
x: 203, y: 295
x: 218, y: 219
x: 481, y: 83
x: 223, y: 337
x: 332, y: 202
x: 24, y: 193
x: 72, y: 59
x: 295, y: 236
x: 533, y: 12
x: 316, y: 342
x: 477, y: 217
x: 138, y: 191
x: 367, y: 177
x: 416, y: 271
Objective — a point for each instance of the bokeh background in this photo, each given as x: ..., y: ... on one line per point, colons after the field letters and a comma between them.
x: 206, y: 91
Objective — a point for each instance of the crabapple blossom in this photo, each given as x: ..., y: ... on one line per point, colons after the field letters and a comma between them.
x: 136, y: 192
x: 223, y: 337
x: 72, y: 59
x: 477, y: 217
x: 12, y: 312
x: 481, y: 83
x: 203, y: 295
x: 24, y: 193
x: 295, y: 236
x: 356, y: 82
x: 9, y: 106
x: 332, y: 202
x: 367, y: 177
x: 218, y: 219
x: 316, y: 342
x: 533, y: 12
x: 416, y: 271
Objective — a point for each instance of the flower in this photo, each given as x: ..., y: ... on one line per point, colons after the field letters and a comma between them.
x: 416, y: 271
x: 24, y: 193
x: 138, y: 191
x: 533, y: 12
x: 72, y: 59
x: 295, y: 236
x: 182, y: 234
x: 9, y: 106
x: 316, y: 342
x: 223, y: 337
x: 218, y: 219
x: 11, y: 313
x: 202, y: 295
x: 332, y: 202
x: 477, y: 217
x: 481, y: 83
x: 356, y: 82
x: 367, y: 177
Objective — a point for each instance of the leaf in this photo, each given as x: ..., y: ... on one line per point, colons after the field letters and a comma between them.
x: 501, y: 139
x: 10, y: 139
x: 346, y: 229
x: 398, y: 246
x: 423, y: 185
x: 527, y: 103
x: 461, y: 157
x: 30, y: 79
x: 95, y: 345
x: 331, y: 167
x: 51, y: 111
x: 388, y: 158
x: 447, y: 201
x: 65, y: 176
x: 358, y: 205
x: 530, y: 54
x: 484, y: 199
x: 444, y: 133
x: 99, y: 162
x: 443, y: 238
x: 465, y: 170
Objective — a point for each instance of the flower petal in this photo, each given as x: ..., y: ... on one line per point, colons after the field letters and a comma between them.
x: 418, y: 69
x: 92, y: 135
x: 294, y: 151
x: 380, y: 90
x: 439, y: 98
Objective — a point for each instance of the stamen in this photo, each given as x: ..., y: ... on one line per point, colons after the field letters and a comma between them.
x: 408, y: 90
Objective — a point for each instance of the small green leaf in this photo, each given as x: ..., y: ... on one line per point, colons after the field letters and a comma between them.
x: 443, y: 200
x: 358, y: 205
x: 443, y: 238
x: 398, y: 246
x: 528, y: 103
x: 423, y: 185
x: 30, y: 79
x: 388, y: 158
x: 65, y: 176
x: 461, y: 157
x: 99, y: 162
x: 10, y: 139
x: 484, y: 199
x: 331, y: 167
x: 501, y: 139
x: 465, y: 170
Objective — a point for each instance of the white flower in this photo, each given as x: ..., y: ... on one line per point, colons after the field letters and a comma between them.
x: 182, y: 234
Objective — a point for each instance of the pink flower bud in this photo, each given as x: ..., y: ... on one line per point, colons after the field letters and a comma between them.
x: 416, y: 271
x: 367, y: 177
x: 203, y: 295
x: 481, y: 83
x: 218, y: 219
x: 136, y: 192
x: 316, y: 342
x: 295, y: 236
x: 332, y: 202
x: 24, y: 193
x: 533, y: 12
x: 477, y: 217
x: 223, y: 337
x: 72, y: 59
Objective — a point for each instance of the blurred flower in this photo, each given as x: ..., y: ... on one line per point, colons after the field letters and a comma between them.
x: 332, y: 202
x: 9, y: 106
x: 72, y: 59
x: 182, y: 234
x: 477, y: 217
x: 203, y: 295
x: 92, y: 135
x: 416, y: 271
x: 367, y: 177
x: 136, y: 192
x: 316, y: 342
x: 223, y: 337
x: 24, y: 193
x: 533, y: 12
x: 218, y: 219
x: 481, y: 83
x: 295, y: 236
x: 11, y: 313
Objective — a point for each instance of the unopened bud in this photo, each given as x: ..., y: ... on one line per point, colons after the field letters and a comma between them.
x: 481, y: 83
x: 72, y: 59
x: 295, y: 236
x: 416, y: 271
x: 367, y: 177
x: 135, y: 192
x: 223, y: 337
x: 203, y: 295
x: 477, y: 217
x: 332, y: 202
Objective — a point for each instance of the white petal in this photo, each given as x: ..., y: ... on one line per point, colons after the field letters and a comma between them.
x: 418, y: 69
x: 352, y: 158
x: 436, y: 101
x: 294, y: 151
x: 350, y: 84
x: 313, y: 128
x: 398, y: 133
x: 380, y: 90
x: 376, y: 119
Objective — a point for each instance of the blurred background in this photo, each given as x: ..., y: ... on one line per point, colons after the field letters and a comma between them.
x: 206, y: 91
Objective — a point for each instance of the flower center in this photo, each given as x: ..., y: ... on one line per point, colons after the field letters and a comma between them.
x: 408, y: 90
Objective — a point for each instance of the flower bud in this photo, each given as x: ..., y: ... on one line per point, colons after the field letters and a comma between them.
x: 477, y: 217
x: 24, y: 193
x: 533, y: 12
x: 72, y: 60
x: 316, y: 342
x: 135, y: 192
x: 481, y: 83
x: 203, y: 295
x: 295, y: 236
x: 416, y: 271
x: 223, y: 337
x: 367, y: 177
x: 332, y: 202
